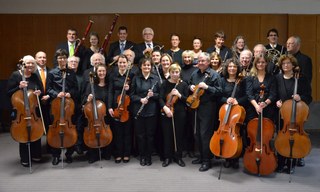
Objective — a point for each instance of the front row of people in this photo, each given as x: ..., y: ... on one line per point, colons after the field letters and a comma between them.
x: 163, y: 106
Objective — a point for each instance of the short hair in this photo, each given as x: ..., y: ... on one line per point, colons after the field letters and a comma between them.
x: 274, y: 31
x: 147, y: 29
x: 219, y: 34
x: 72, y: 29
x: 174, y: 66
x: 194, y: 38
x: 123, y: 56
x: 174, y: 34
x: 246, y: 51
x: 206, y: 55
x: 61, y: 52
x: 144, y: 60
x: 28, y: 58
x: 122, y: 28
x: 95, y: 54
x: 75, y: 57
x: 166, y: 55
x: 227, y: 63
x: 292, y: 59
x: 188, y: 52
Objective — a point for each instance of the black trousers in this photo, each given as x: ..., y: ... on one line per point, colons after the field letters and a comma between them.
x: 122, y: 138
x: 35, y: 150
x: 145, y: 128
x: 171, y: 134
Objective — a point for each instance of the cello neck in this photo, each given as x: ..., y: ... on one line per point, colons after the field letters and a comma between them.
x: 63, y: 99
x: 94, y: 103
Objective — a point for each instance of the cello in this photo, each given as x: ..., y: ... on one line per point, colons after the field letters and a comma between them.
x: 97, y: 134
x: 121, y: 113
x: 62, y: 133
x: 193, y: 100
x: 292, y: 141
x: 259, y: 157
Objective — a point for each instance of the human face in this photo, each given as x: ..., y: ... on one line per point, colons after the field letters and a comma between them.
x: 165, y: 63
x: 219, y: 41
x: 292, y: 46
x: 129, y: 55
x: 240, y: 44
x: 259, y: 50
x: 203, y: 63
x: 148, y: 36
x: 62, y: 61
x: 73, y: 63
x: 94, y: 40
x: 146, y: 67
x: 187, y: 59
x: 41, y: 59
x: 287, y: 66
x: 197, y: 44
x: 261, y: 64
x: 273, y: 38
x: 122, y: 64
x: 175, y: 74
x: 215, y: 62
x: 71, y: 36
x: 122, y: 34
x: 30, y: 66
x: 245, y: 59
x: 175, y: 41
x: 232, y: 69
x: 97, y: 60
x: 156, y: 57
x: 101, y: 72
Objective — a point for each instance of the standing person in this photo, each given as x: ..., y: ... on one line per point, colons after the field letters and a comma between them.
x: 175, y: 52
x: 231, y: 74
x: 245, y: 62
x: 145, y: 92
x: 94, y: 48
x: 118, y: 47
x: 55, y: 90
x: 286, y: 82
x: 238, y: 46
x: 42, y: 72
x: 208, y: 80
x: 119, y: 83
x: 304, y: 61
x: 165, y: 61
x: 216, y: 62
x: 32, y: 82
x: 156, y: 64
x: 197, y: 45
x: 274, y: 49
x: 101, y: 94
x: 70, y: 46
x: 219, y: 47
x: 145, y: 49
x: 173, y: 116
x: 259, y: 50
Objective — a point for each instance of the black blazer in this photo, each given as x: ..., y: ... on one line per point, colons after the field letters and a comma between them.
x: 39, y: 77
x: 225, y: 52
x: 138, y: 50
x: 280, y: 48
x: 114, y: 49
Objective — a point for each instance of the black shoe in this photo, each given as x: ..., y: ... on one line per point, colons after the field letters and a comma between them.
x: 180, y: 162
x: 78, y: 149
x: 290, y: 171
x: 55, y: 161
x: 142, y: 161
x: 24, y: 164
x: 92, y: 160
x: 68, y: 159
x: 126, y: 159
x: 166, y: 162
x: 148, y: 162
x: 117, y: 160
x: 227, y: 163
x: 197, y: 161
x: 281, y: 169
x: 204, y: 167
x: 301, y: 162
x: 235, y: 164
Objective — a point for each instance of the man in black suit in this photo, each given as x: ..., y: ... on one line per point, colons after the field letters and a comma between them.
x: 273, y: 37
x: 219, y: 47
x: 70, y: 46
x: 147, y: 46
x: 118, y: 47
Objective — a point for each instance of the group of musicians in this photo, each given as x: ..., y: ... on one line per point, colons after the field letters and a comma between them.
x: 158, y: 84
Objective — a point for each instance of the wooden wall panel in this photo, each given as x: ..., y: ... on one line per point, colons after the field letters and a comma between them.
x: 25, y: 34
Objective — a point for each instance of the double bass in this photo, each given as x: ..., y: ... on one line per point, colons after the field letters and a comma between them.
x: 226, y: 142
x: 292, y: 141
x: 62, y: 133
x: 97, y: 134
x: 121, y: 113
x: 259, y: 158
x: 193, y: 101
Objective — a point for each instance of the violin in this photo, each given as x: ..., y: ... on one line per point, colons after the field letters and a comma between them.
x: 121, y: 113
x: 259, y: 158
x: 292, y: 141
x: 97, y: 134
x: 193, y: 100
x: 172, y: 99
x: 27, y: 127
x: 62, y: 133
x: 226, y: 142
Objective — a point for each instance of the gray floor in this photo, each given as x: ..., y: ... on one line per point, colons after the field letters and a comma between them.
x: 80, y: 176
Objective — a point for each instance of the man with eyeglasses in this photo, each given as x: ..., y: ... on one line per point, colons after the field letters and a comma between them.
x: 273, y: 37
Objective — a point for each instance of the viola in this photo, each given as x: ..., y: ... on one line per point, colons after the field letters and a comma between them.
x: 62, y: 133
x: 226, y: 142
x: 259, y: 158
x: 193, y: 100
x: 121, y: 113
x: 97, y: 134
x: 292, y: 141
x: 172, y: 99
x: 27, y: 127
